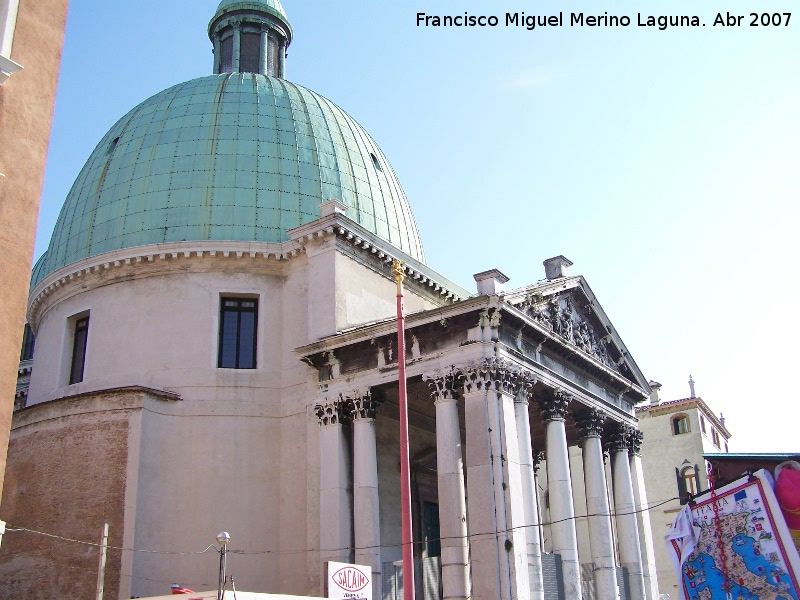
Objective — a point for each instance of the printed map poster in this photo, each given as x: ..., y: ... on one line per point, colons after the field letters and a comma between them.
x: 738, y: 537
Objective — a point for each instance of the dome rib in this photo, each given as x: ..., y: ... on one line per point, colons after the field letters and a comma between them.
x: 237, y: 157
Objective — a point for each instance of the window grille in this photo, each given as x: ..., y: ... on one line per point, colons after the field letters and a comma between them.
x: 237, y: 333
x: 79, y: 350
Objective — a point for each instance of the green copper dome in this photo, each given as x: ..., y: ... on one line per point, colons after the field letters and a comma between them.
x: 236, y: 156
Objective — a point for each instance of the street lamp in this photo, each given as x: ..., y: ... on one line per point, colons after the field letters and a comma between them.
x: 222, y: 539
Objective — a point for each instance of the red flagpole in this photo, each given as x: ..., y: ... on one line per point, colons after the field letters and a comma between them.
x: 405, y: 471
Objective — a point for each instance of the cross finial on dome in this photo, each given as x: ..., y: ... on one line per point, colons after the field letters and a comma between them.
x: 250, y: 36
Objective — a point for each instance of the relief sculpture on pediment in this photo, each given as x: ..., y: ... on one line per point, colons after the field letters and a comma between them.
x: 558, y: 314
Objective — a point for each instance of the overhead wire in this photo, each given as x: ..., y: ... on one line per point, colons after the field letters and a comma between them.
x: 13, y: 528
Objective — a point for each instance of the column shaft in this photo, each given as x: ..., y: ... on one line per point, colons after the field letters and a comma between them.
x: 335, y: 511
x: 498, y: 542
x: 237, y: 46
x: 645, y: 530
x: 627, y: 528
x: 217, y: 55
x: 366, y: 513
x: 600, y: 538
x: 530, y: 499
x: 263, y: 52
x: 562, y: 508
x: 452, y: 502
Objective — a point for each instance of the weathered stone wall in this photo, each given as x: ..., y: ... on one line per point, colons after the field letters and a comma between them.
x: 66, y: 476
x: 27, y: 99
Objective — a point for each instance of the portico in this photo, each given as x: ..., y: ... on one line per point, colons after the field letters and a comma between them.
x: 495, y: 380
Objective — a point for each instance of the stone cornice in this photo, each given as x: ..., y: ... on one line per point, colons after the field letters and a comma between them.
x: 92, y: 269
x: 108, y: 399
x: 345, y: 231
x: 365, y: 333
x: 7, y: 68
x: 675, y: 406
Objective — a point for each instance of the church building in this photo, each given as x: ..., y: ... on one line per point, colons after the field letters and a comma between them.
x: 216, y: 350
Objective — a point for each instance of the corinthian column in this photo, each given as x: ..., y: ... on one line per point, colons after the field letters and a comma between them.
x: 627, y: 528
x: 450, y: 478
x: 366, y: 513
x: 237, y: 45
x: 559, y: 485
x: 496, y: 514
x: 263, y: 51
x: 335, y: 510
x: 530, y: 496
x: 643, y: 516
x: 600, y: 539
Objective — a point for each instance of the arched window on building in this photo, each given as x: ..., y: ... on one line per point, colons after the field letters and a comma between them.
x: 687, y: 482
x: 702, y: 424
x: 680, y: 424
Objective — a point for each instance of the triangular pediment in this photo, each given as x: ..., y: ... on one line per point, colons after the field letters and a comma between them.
x: 568, y: 309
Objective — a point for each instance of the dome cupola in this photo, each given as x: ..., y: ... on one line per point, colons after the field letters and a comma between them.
x: 250, y: 36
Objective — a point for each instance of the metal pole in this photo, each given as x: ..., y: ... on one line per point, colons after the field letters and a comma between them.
x: 222, y: 561
x: 101, y: 574
x: 405, y: 470
x: 223, y: 539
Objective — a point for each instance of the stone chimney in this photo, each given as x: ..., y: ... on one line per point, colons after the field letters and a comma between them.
x: 655, y: 388
x: 556, y: 267
x: 490, y: 283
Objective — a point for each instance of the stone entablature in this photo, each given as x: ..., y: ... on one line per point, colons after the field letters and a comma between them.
x: 445, y: 335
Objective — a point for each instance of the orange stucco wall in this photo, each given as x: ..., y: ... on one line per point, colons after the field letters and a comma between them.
x: 27, y: 100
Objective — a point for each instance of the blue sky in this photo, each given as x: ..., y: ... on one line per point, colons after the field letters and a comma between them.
x: 662, y: 163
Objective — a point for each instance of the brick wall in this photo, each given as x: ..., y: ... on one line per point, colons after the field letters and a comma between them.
x: 66, y: 476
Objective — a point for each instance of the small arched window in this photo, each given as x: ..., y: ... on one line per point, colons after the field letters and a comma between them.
x: 687, y: 482
x: 680, y: 424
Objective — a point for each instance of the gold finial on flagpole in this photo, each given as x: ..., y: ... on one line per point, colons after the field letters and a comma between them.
x: 399, y: 272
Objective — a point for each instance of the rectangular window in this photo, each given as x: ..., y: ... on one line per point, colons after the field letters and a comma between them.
x: 79, y: 350
x: 430, y: 514
x: 28, y: 342
x: 226, y: 58
x: 251, y: 53
x: 237, y: 333
x: 272, y: 57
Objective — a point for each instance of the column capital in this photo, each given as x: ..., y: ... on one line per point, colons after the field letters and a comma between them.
x: 444, y: 385
x: 363, y: 404
x: 618, y: 438
x: 331, y: 411
x: 554, y: 406
x: 495, y: 374
x: 590, y: 422
x: 635, y: 442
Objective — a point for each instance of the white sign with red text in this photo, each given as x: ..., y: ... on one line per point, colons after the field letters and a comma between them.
x: 349, y: 582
